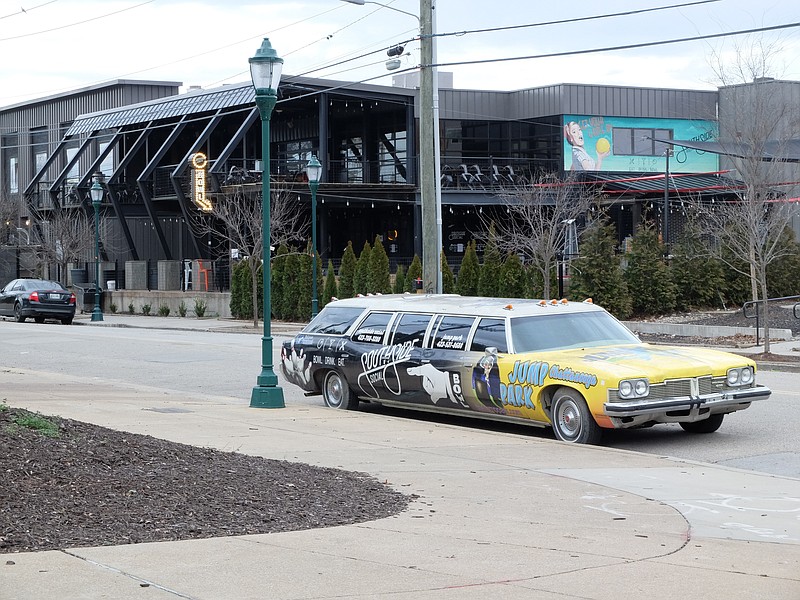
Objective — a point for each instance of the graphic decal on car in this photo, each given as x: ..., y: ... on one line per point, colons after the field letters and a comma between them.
x: 379, y: 367
x: 440, y: 385
x: 486, y: 381
x: 295, y: 366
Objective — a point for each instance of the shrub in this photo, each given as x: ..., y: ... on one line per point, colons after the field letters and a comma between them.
x: 200, y: 307
x: 378, y: 281
x: 362, y: 270
x: 131, y: 309
x: 331, y: 289
x: 182, y: 308
x: 163, y: 310
x: 145, y: 309
x: 647, y: 275
x: 597, y: 273
x: 347, y: 272
x: 414, y: 273
x: 513, y: 278
x: 113, y: 308
x: 399, y: 280
x: 448, y: 281
x: 469, y: 273
x: 489, y: 279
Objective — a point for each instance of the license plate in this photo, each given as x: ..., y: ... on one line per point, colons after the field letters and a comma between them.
x: 54, y: 296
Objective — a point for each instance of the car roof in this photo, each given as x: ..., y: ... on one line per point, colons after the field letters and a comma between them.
x: 465, y: 305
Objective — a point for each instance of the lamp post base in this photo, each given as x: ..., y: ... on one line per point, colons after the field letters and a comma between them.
x: 267, y: 397
x: 97, y: 314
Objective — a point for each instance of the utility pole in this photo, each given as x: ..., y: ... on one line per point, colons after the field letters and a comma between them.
x: 429, y: 152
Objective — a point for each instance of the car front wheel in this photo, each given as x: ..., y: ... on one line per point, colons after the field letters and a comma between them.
x: 18, y: 314
x: 336, y: 392
x: 709, y: 425
x: 572, y: 421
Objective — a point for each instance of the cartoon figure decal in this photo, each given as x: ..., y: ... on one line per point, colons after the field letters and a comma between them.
x: 486, y: 380
x: 295, y: 366
x: 439, y: 385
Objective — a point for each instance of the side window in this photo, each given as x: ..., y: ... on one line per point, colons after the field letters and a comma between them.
x: 491, y: 333
x: 411, y: 328
x: 452, y: 333
x: 333, y: 320
x: 372, y: 330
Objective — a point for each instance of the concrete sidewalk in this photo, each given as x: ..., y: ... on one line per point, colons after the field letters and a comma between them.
x: 498, y: 515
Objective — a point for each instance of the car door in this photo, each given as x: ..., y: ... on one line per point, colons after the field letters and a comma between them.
x: 441, y: 369
x: 7, y: 298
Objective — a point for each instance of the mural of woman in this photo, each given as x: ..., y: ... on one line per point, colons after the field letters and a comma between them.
x: 486, y: 381
x: 581, y: 161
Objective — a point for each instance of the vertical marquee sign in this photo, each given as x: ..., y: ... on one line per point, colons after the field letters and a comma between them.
x: 199, y: 164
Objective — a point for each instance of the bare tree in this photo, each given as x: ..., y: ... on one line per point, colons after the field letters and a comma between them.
x: 64, y: 236
x: 236, y: 220
x: 9, y: 218
x: 763, y: 122
x: 539, y: 215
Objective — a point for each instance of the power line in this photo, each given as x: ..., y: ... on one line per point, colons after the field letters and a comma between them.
x: 615, y: 48
x: 116, y: 12
x: 23, y: 11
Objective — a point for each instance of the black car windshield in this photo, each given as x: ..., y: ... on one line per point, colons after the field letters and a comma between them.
x: 575, y: 330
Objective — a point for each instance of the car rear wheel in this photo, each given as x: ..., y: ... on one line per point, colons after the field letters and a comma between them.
x: 39, y: 319
x: 709, y: 425
x: 572, y: 421
x: 18, y: 314
x: 67, y: 321
x: 337, y: 393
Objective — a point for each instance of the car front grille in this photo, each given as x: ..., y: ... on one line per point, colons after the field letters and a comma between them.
x: 682, y: 388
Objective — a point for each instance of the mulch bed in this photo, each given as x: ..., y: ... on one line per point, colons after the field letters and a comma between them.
x: 91, y: 486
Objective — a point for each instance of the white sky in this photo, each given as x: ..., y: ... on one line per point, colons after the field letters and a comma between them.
x: 59, y: 45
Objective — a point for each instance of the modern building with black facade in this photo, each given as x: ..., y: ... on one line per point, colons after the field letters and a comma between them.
x: 145, y: 138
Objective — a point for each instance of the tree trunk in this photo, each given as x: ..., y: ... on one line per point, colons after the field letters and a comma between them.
x: 763, y: 282
x: 254, y: 290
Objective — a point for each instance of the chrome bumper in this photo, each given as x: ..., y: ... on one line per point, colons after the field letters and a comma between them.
x: 643, y: 406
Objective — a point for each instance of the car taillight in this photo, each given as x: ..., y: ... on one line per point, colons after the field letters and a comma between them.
x: 72, y: 298
x: 34, y: 296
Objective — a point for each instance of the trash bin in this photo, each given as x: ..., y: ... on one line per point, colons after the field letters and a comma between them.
x: 87, y: 298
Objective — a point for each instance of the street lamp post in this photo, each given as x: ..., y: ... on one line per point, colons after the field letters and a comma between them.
x: 96, y: 192
x: 429, y: 161
x: 314, y: 172
x: 265, y: 70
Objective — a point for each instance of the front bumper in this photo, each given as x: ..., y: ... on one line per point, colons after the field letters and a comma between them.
x: 715, y: 403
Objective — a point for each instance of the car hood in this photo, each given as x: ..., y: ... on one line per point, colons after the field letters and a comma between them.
x: 644, y: 360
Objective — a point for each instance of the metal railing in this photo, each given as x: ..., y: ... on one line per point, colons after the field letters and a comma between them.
x: 754, y: 308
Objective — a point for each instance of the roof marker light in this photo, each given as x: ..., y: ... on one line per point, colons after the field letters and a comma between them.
x: 508, y: 307
x: 564, y: 301
x: 542, y: 303
x: 553, y: 302
x: 588, y: 301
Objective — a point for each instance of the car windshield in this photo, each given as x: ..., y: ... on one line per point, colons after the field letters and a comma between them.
x: 576, y: 330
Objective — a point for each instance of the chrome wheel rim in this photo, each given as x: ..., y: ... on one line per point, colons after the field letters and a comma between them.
x: 333, y: 390
x: 569, y: 420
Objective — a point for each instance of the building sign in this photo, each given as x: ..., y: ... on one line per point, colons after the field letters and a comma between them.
x: 199, y: 164
x: 595, y: 143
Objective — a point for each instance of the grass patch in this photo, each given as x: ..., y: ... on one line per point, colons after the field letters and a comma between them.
x: 35, y: 422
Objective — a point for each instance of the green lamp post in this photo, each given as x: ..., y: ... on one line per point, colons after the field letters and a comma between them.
x: 96, y: 193
x: 265, y: 70
x: 314, y: 172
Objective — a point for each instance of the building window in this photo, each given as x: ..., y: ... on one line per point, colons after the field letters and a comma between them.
x: 640, y: 142
x: 13, y: 175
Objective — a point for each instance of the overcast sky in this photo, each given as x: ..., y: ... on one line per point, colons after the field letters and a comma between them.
x: 52, y: 46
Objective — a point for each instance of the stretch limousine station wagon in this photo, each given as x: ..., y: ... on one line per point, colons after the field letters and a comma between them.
x: 567, y: 365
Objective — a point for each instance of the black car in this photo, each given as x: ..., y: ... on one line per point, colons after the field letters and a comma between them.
x: 39, y: 299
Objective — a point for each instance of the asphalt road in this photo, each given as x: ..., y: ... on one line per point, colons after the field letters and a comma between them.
x: 762, y: 438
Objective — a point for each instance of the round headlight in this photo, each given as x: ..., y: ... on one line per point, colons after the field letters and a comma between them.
x: 733, y: 376
x: 640, y: 387
x: 625, y: 389
x: 747, y: 375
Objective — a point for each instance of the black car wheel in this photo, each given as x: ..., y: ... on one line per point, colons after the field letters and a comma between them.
x: 572, y: 421
x: 39, y: 319
x: 67, y: 321
x: 18, y: 313
x: 337, y: 393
